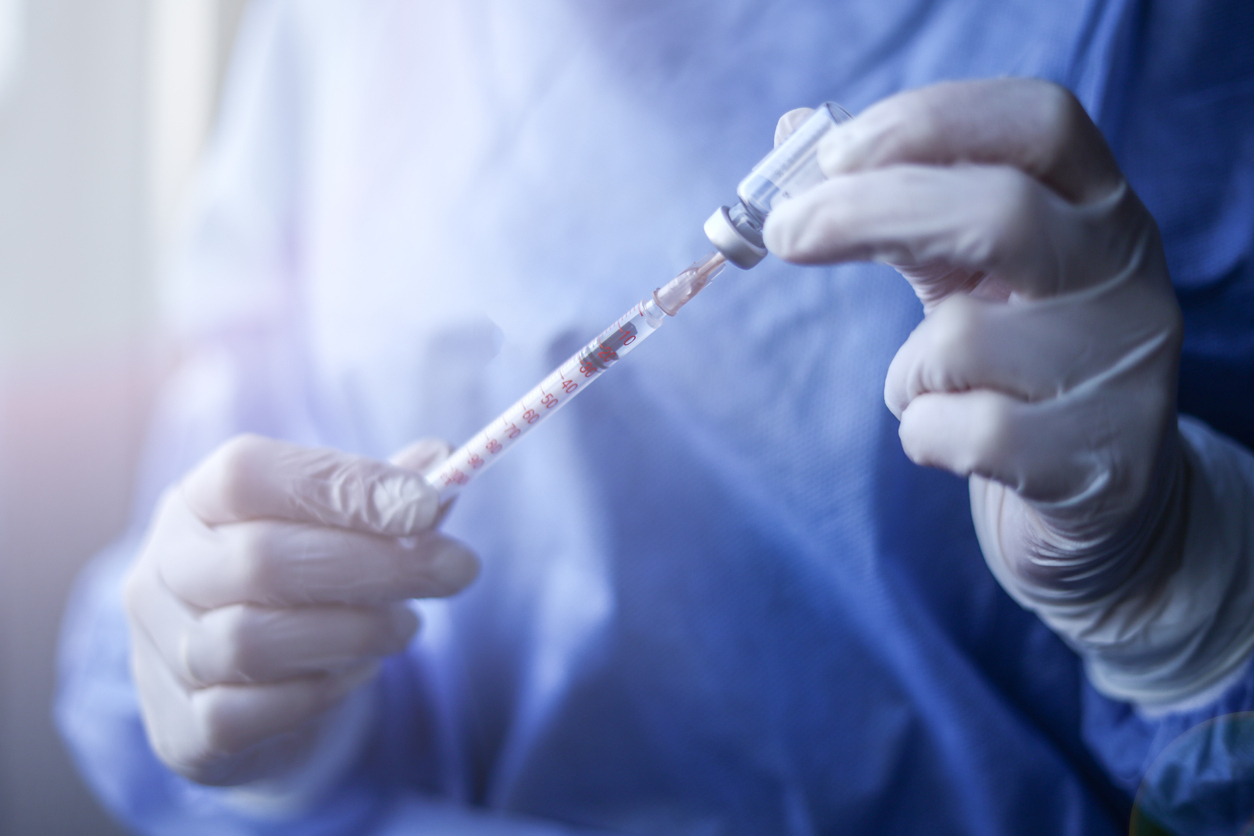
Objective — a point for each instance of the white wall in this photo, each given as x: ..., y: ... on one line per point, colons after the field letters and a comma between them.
x: 99, y: 126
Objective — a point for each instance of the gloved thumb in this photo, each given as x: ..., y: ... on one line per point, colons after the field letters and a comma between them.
x: 789, y: 122
x: 423, y: 455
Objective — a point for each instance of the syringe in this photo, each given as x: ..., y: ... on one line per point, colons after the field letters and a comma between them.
x: 571, y: 378
x: 790, y: 169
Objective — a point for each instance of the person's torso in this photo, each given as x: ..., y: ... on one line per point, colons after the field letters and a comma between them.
x: 716, y: 597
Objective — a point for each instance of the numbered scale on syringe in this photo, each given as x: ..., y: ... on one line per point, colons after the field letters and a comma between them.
x: 553, y: 392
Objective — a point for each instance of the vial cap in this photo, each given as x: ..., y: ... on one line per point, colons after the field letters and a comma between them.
x: 734, y: 246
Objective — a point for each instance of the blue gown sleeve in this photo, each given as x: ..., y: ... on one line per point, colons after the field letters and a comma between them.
x: 1184, y: 135
x: 1190, y: 771
x: 1190, y: 764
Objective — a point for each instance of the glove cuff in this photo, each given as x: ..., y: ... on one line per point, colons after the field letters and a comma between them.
x: 1165, y: 610
x: 1196, y: 629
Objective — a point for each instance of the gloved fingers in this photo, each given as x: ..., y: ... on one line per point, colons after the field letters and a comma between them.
x: 789, y: 122
x: 992, y: 220
x: 1032, y: 125
x: 1040, y: 451
x: 251, y: 478
x: 243, y: 643
x: 163, y: 702
x: 1032, y: 350
x: 231, y: 718
x: 158, y: 615
x: 197, y: 732
x: 246, y: 643
x: 935, y: 281
x: 966, y: 343
x: 280, y: 564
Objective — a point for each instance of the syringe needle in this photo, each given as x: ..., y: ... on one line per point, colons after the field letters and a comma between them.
x: 679, y: 291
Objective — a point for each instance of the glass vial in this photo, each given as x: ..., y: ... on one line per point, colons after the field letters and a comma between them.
x: 787, y: 171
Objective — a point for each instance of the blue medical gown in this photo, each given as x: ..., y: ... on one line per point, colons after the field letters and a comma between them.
x: 716, y: 596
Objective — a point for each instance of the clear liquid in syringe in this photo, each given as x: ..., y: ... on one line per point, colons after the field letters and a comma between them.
x: 570, y: 378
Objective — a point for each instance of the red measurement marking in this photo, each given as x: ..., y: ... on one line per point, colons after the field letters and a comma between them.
x: 456, y: 477
x: 569, y: 386
x: 629, y: 339
x: 475, y: 461
x: 549, y: 401
x: 493, y: 446
x: 531, y: 416
x: 514, y: 432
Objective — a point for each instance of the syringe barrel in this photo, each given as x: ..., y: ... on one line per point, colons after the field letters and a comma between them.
x: 554, y: 392
x: 789, y: 169
x: 570, y: 378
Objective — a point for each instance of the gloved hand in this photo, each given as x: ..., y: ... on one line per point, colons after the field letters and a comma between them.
x: 271, y: 581
x: 1045, y: 367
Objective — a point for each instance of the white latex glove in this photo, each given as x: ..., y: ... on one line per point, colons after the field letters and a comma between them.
x: 1045, y: 367
x: 271, y: 581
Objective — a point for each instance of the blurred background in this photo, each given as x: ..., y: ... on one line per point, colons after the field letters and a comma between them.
x: 103, y: 110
